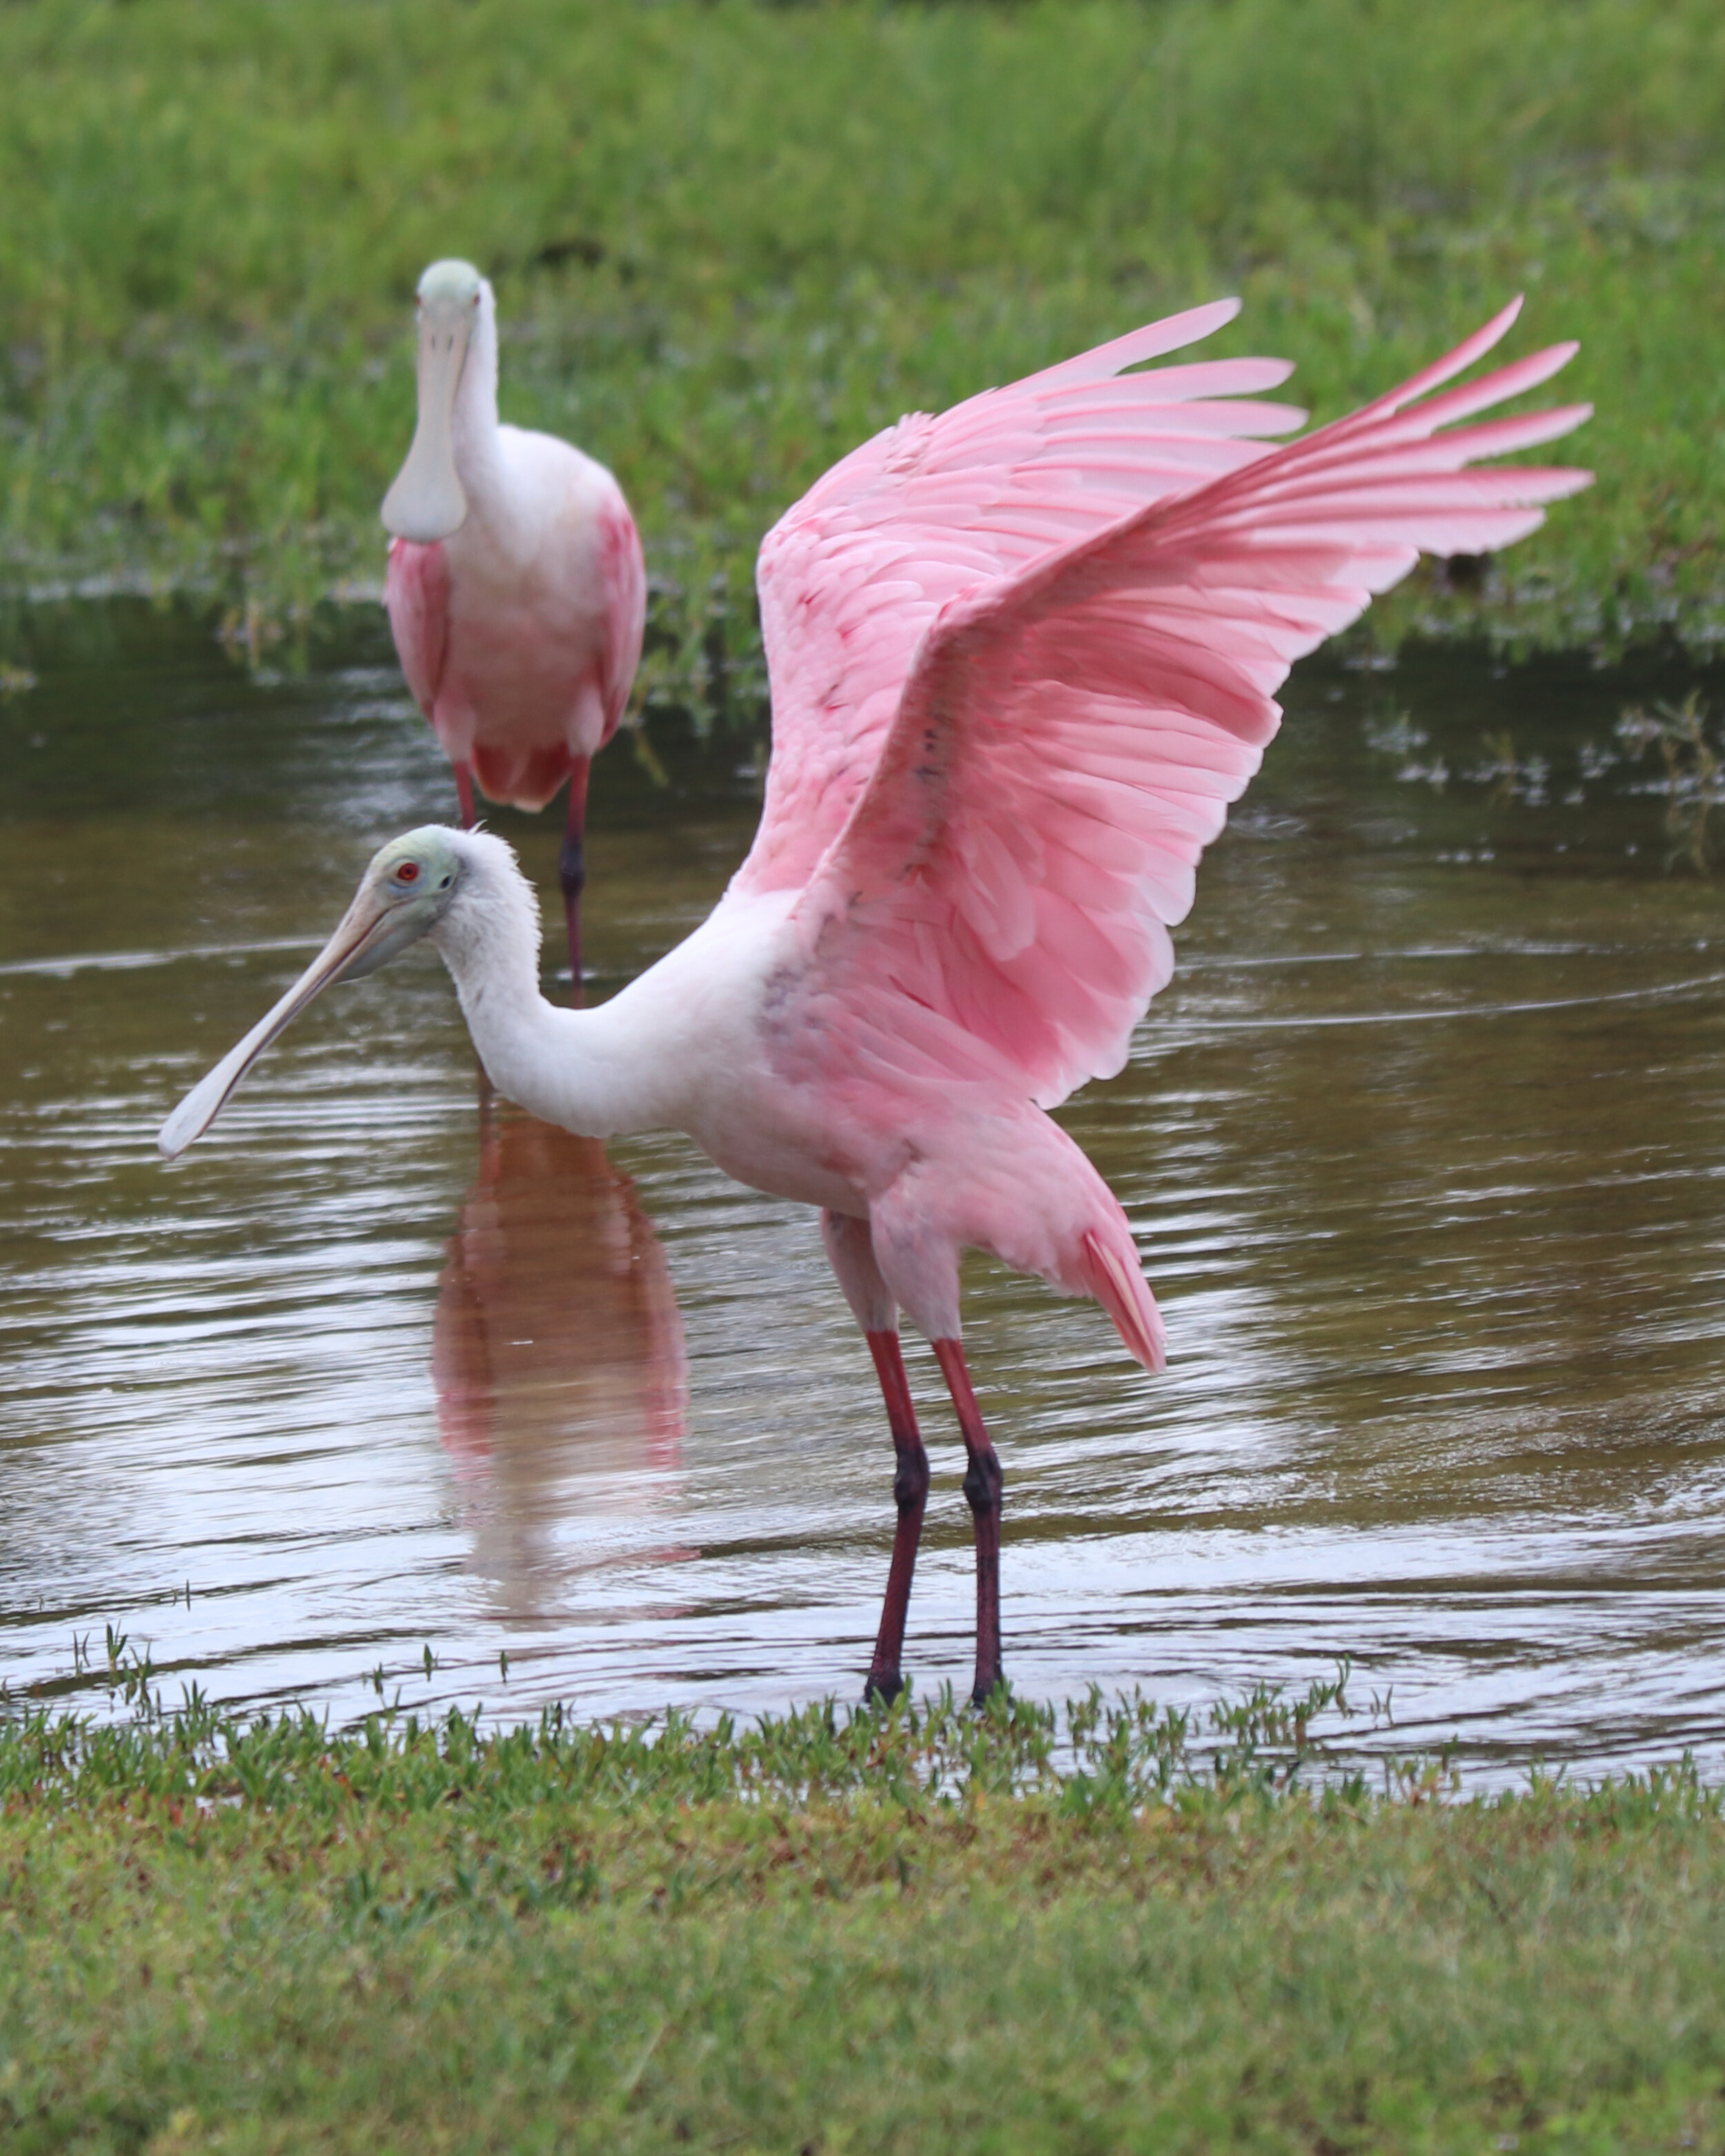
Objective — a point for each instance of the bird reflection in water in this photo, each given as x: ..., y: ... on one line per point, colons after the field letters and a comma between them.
x: 558, y: 1359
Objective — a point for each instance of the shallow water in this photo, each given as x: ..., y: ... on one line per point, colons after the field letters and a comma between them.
x: 1425, y: 1149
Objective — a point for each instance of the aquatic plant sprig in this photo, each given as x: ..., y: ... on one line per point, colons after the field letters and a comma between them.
x: 1694, y: 762
x: 1097, y: 1755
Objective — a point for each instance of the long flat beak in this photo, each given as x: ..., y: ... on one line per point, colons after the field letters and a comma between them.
x: 360, y: 930
x: 426, y: 502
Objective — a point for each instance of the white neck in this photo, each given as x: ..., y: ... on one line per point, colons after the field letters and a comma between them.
x: 580, y: 1069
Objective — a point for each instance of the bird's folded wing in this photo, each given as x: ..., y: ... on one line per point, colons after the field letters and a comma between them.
x: 1069, y: 740
x: 853, y: 574
x: 625, y: 586
x: 416, y: 590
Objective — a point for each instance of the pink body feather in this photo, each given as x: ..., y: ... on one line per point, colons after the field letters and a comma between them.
x: 1023, y: 658
x: 522, y: 685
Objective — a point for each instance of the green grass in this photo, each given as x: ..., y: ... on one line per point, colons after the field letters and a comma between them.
x: 840, y: 1932
x: 730, y: 240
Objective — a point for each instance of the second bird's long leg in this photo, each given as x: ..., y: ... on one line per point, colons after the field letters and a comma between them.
x: 572, y: 870
x: 910, y: 1491
x: 464, y: 794
x: 984, y: 1488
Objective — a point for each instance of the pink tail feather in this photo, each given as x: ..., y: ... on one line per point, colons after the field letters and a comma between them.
x: 1113, y: 1277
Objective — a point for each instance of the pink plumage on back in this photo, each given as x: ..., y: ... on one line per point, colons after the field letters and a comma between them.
x: 623, y: 574
x: 516, y: 694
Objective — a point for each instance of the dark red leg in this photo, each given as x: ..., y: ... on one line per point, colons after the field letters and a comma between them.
x: 984, y: 1486
x: 909, y: 1491
x: 572, y: 871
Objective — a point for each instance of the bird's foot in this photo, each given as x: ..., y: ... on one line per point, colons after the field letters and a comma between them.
x: 988, y: 1688
x: 882, y: 1687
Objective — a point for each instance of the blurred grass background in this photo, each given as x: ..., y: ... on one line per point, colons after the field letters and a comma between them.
x: 729, y: 241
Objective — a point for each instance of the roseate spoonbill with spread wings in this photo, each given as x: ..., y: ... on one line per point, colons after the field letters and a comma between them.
x: 1022, y: 657
x: 516, y: 588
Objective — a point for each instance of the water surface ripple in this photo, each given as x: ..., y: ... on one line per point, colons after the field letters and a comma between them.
x: 1425, y: 1148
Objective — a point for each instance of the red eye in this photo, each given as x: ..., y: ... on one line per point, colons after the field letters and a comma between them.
x: 408, y: 872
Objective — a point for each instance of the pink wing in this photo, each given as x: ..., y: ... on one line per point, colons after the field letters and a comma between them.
x: 625, y: 575
x: 851, y: 577
x: 416, y: 590
x: 1069, y: 738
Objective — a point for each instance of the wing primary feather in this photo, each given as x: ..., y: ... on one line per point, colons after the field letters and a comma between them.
x: 1016, y: 836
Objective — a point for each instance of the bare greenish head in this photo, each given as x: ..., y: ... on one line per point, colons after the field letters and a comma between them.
x: 450, y: 283
x: 401, y: 897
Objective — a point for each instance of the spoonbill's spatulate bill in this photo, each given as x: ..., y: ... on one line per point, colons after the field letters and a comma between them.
x: 515, y: 587
x: 1022, y: 657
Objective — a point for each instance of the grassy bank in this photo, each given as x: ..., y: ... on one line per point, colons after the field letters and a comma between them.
x: 837, y: 1932
x: 730, y: 241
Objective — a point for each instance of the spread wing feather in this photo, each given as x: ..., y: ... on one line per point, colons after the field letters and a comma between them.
x: 1070, y: 736
x: 851, y: 577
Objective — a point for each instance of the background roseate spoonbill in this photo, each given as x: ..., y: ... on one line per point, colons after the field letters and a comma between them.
x: 515, y: 586
x: 1008, y: 718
